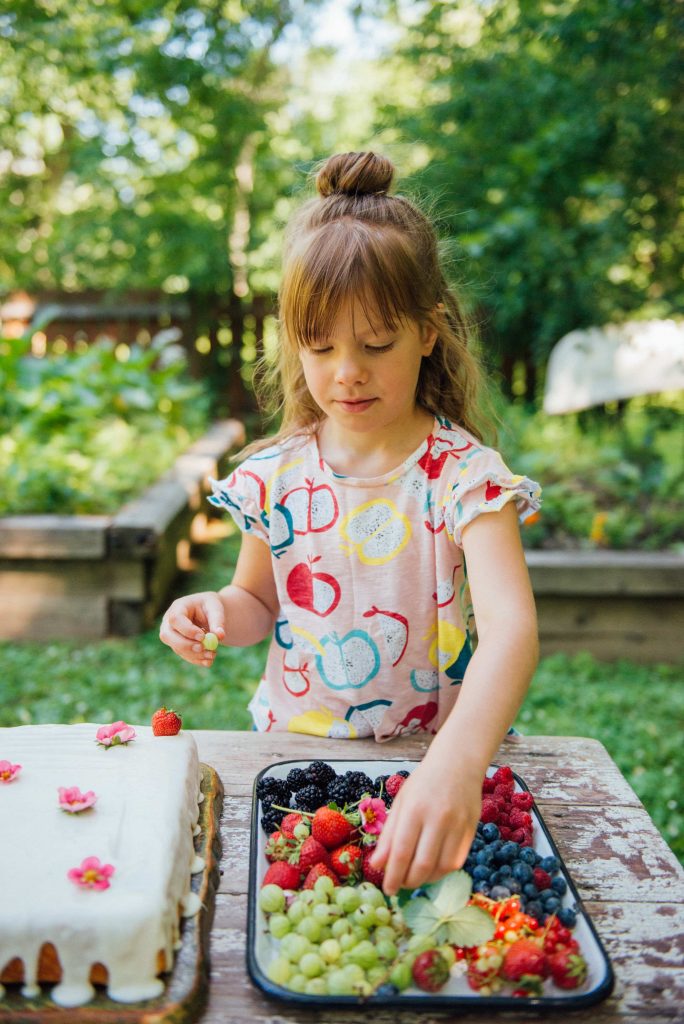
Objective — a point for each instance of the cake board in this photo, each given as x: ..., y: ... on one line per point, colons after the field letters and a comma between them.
x: 186, y: 986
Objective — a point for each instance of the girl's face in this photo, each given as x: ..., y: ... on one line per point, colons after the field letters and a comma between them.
x: 365, y: 379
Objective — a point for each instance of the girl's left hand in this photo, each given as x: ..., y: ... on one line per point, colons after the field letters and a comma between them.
x: 430, y: 827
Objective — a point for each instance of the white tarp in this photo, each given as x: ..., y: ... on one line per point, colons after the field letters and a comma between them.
x: 603, y: 364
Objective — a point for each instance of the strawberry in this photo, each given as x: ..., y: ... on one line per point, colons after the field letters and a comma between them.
x: 347, y: 861
x: 289, y: 823
x: 166, y: 722
x: 568, y: 968
x: 394, y: 784
x: 309, y: 853
x: 430, y: 970
x: 524, y: 960
x: 371, y: 874
x: 287, y: 876
x: 316, y: 872
x: 330, y: 827
x: 278, y: 847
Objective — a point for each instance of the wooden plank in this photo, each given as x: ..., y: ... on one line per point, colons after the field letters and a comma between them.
x: 48, y: 536
x: 606, y: 572
x: 40, y: 616
x: 135, y: 530
x: 610, y: 646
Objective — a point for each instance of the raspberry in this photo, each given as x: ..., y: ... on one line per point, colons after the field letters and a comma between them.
x: 503, y: 774
x: 394, y: 784
x: 522, y: 800
x: 506, y: 832
x: 518, y: 835
x: 488, y: 785
x: 490, y: 811
x: 504, y: 789
x: 541, y: 878
x: 520, y: 819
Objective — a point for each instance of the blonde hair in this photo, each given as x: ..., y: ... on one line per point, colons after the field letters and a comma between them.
x: 356, y: 241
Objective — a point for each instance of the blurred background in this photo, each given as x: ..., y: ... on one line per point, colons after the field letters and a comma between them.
x: 150, y: 156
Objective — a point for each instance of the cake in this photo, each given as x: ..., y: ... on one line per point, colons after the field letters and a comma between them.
x: 123, y: 931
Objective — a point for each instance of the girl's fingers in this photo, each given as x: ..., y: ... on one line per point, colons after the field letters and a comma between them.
x: 400, y: 857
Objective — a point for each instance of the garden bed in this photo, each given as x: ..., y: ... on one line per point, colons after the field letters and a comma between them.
x: 89, y: 576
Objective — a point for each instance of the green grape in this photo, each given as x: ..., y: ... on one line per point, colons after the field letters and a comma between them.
x: 210, y: 642
x: 387, y: 950
x: 294, y: 946
x: 420, y: 943
x: 364, y: 915
x: 385, y: 933
x: 330, y: 950
x: 325, y: 913
x: 347, y: 898
x: 310, y: 929
x: 359, y: 933
x: 307, y: 897
x: 398, y: 921
x: 279, y: 925
x: 339, y: 984
x: 298, y: 983
x: 377, y: 975
x: 370, y: 893
x: 383, y: 915
x: 324, y: 886
x: 296, y: 912
x: 316, y: 987
x: 354, y: 973
x: 271, y: 899
x: 341, y: 927
x: 401, y: 975
x: 311, y: 965
x: 364, y: 954
x: 279, y: 970
x: 347, y: 941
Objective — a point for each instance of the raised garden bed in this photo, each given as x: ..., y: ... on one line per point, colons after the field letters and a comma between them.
x: 88, y: 577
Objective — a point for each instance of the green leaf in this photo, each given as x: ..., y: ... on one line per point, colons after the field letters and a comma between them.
x: 471, y: 926
x: 421, y: 916
x: 451, y: 893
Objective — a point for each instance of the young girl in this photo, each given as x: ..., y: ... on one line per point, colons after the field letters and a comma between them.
x: 359, y: 516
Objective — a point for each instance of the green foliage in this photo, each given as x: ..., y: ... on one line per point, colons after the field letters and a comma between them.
x: 607, y: 480
x: 83, y: 431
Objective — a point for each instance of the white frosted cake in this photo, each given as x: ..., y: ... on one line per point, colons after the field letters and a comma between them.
x: 141, y: 825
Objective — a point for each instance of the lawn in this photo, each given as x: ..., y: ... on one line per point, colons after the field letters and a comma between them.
x: 636, y: 711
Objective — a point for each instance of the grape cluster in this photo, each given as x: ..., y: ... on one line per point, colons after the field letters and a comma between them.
x: 502, y: 868
x: 341, y: 940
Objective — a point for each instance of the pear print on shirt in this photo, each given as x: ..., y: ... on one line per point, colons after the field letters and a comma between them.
x: 376, y: 531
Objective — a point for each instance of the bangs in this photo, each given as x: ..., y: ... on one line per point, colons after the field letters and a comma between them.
x: 339, y: 262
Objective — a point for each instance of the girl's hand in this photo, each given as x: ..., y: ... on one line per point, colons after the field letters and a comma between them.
x: 188, y: 620
x: 430, y: 827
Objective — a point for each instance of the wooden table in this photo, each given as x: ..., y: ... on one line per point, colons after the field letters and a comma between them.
x: 630, y: 881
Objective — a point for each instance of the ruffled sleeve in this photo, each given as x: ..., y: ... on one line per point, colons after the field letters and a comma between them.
x: 486, y: 485
x: 243, y: 495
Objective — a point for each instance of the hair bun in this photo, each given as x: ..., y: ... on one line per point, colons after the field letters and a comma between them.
x: 355, y: 174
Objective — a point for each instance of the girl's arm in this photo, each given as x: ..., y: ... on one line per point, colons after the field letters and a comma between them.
x: 435, y: 814
x: 241, y: 614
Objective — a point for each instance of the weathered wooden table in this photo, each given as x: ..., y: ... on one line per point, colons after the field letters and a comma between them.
x: 630, y: 881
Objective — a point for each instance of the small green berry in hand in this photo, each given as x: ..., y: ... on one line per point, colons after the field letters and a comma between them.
x: 210, y: 642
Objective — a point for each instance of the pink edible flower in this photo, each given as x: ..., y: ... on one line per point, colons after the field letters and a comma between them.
x: 92, y: 874
x: 8, y: 771
x: 373, y: 815
x: 115, y: 734
x: 73, y: 800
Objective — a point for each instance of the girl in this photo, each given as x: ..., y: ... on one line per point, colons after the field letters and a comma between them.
x: 359, y: 516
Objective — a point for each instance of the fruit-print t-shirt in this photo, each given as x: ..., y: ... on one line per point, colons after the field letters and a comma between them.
x: 375, y: 627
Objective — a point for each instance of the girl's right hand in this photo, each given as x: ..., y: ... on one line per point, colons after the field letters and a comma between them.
x: 188, y: 620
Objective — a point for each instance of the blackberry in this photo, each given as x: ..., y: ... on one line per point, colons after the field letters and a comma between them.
x: 296, y: 779
x: 309, y: 798
x: 319, y: 773
x: 338, y: 791
x: 269, y: 823
x: 273, y: 813
x: 403, y: 773
x: 358, y: 783
x: 274, y: 791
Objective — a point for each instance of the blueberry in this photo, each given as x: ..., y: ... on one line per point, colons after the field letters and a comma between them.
x: 514, y: 885
x: 550, y: 864
x: 528, y: 855
x: 480, y: 871
x: 494, y: 878
x: 500, y: 892
x: 490, y: 832
x: 559, y: 885
x: 522, y: 871
x: 551, y: 904
x: 546, y: 894
x: 530, y: 890
x: 484, y: 856
x: 469, y: 864
x: 477, y: 844
x: 505, y: 871
x: 386, y: 990
x: 480, y: 826
x: 509, y: 851
x: 567, y: 917
x: 534, y: 909
x: 483, y: 887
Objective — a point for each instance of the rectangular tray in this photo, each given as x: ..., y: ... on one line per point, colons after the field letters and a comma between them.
x: 456, y: 994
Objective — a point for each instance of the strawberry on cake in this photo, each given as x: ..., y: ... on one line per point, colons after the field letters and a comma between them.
x: 97, y: 852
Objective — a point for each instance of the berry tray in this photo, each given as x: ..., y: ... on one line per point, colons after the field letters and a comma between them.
x: 262, y: 948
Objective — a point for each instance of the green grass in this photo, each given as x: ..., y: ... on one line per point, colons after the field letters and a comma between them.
x: 636, y: 711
